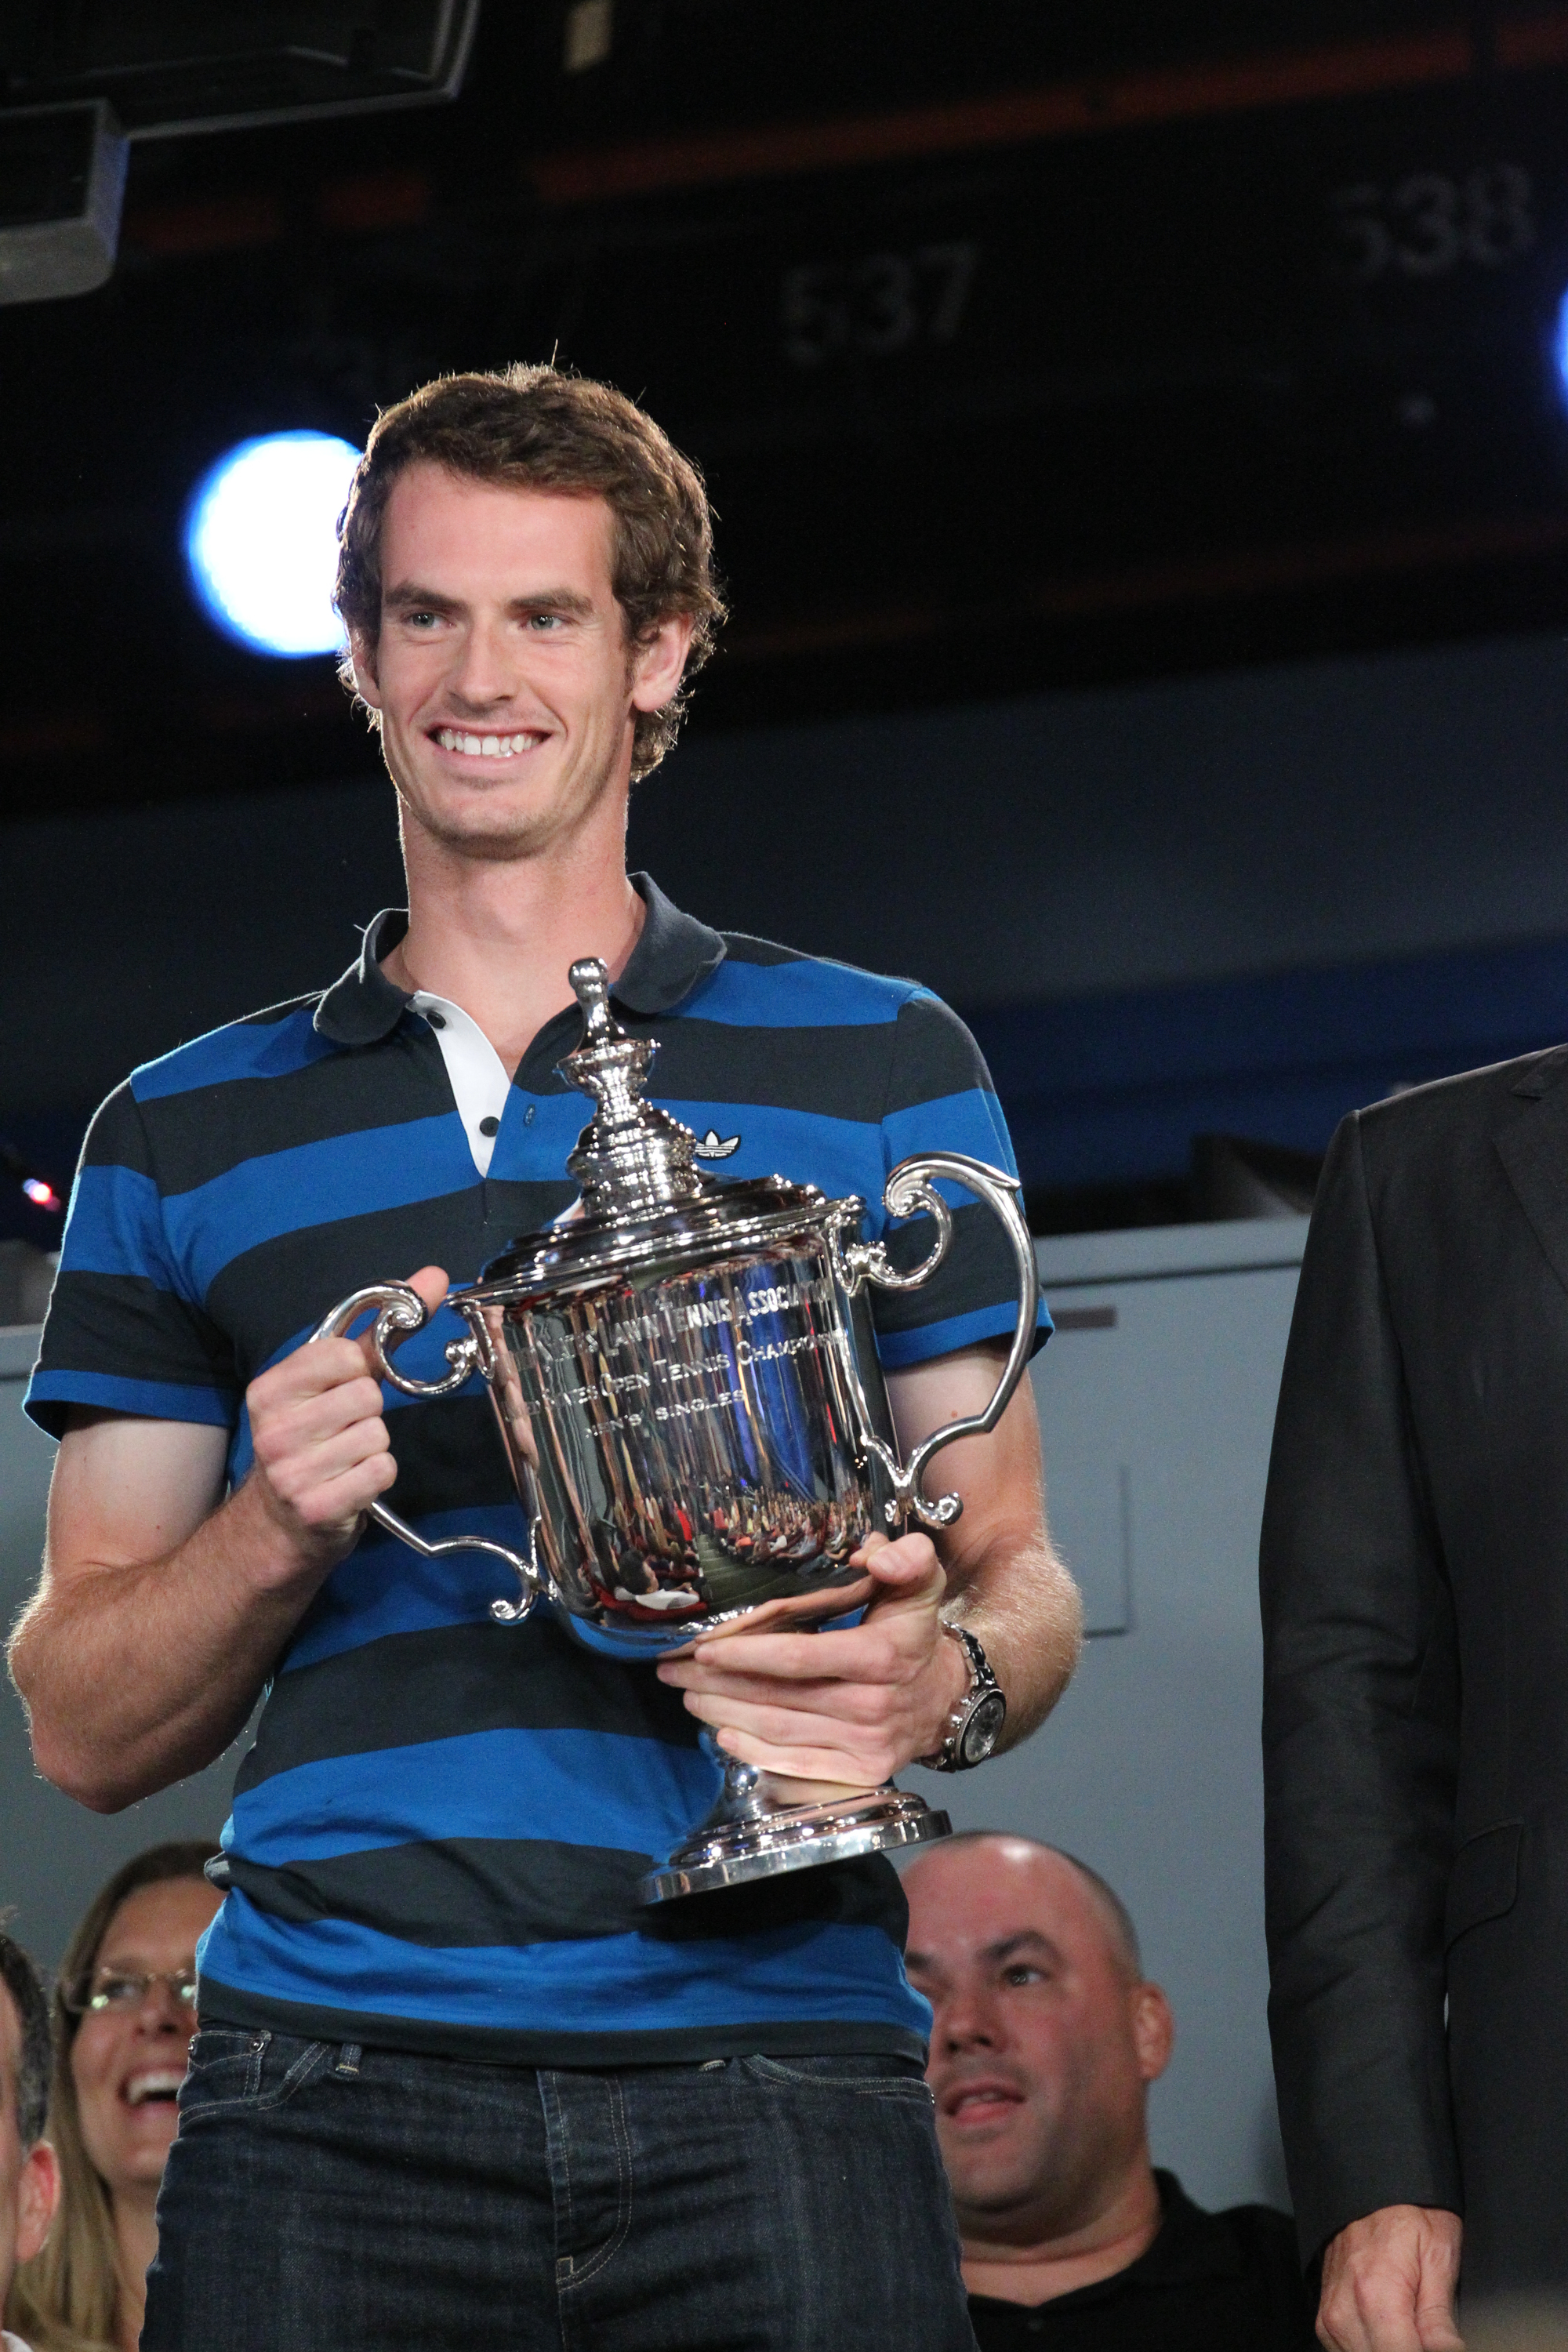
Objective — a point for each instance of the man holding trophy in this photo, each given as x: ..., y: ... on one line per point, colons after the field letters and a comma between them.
x: 557, y: 1995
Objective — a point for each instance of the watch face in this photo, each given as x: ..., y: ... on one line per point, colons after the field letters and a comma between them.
x: 984, y: 1728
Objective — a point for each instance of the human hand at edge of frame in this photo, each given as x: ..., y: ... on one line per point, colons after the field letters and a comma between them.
x: 850, y: 1707
x: 1389, y: 2281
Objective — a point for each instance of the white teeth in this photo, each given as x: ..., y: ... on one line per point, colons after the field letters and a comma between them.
x: 484, y: 747
x: 159, y: 2085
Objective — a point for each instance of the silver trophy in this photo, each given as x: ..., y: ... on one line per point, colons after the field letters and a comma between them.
x: 688, y: 1387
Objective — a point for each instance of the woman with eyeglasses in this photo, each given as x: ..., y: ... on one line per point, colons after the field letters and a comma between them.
x: 124, y: 2012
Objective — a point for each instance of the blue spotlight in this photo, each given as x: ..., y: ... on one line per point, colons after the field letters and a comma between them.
x: 1560, y: 346
x: 261, y: 543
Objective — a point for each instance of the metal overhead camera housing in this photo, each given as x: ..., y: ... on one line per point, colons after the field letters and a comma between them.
x: 169, y: 66
x: 91, y: 78
x: 62, y: 178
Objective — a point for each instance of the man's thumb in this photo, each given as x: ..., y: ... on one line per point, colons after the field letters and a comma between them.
x: 907, y: 1566
x: 431, y: 1283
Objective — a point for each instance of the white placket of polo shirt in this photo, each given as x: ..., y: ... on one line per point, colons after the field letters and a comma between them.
x: 478, y: 1075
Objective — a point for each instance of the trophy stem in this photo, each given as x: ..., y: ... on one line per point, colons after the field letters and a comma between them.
x: 754, y: 1832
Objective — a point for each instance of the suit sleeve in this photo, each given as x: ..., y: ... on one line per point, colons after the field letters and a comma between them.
x: 1360, y: 1739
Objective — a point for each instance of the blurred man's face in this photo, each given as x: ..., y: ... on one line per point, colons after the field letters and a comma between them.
x: 29, y: 2177
x: 1043, y: 2044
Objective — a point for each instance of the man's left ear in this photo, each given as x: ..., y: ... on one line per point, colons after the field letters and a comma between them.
x: 1154, y: 2030
x: 37, y: 2194
x: 656, y: 672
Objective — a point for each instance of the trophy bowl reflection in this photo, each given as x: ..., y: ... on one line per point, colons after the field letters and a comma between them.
x: 686, y: 1382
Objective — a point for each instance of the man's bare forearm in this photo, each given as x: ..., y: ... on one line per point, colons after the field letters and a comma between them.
x: 1005, y: 1582
x: 1023, y: 1607
x: 135, y: 1674
x: 163, y: 1609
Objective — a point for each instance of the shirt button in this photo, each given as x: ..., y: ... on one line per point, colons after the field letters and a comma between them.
x: 527, y: 1115
x: 490, y: 1127
x: 436, y: 1020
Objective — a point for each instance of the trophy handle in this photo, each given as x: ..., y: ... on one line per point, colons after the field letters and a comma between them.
x: 402, y: 1311
x: 911, y: 1188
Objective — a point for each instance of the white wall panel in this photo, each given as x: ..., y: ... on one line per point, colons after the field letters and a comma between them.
x: 1156, y: 1427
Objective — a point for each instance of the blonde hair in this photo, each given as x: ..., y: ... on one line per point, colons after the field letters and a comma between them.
x: 66, y: 2299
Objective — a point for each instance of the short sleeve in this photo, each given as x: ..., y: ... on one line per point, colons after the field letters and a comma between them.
x: 940, y: 1098
x: 125, y: 1328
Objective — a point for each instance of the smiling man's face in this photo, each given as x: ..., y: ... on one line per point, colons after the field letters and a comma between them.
x: 505, y: 684
x: 1044, y: 2042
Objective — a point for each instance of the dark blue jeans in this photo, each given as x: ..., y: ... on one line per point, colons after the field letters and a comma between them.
x: 321, y: 2197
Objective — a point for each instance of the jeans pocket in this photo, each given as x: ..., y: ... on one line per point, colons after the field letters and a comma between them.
x: 863, y: 2077
x: 224, y: 2063
x: 248, y: 2072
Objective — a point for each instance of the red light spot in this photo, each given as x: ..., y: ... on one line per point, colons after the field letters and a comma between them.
x: 42, y: 1196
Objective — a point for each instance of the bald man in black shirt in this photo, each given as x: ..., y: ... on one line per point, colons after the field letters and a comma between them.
x: 1046, y: 2037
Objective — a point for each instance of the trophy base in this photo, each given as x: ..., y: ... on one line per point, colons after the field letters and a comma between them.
x: 744, y: 1839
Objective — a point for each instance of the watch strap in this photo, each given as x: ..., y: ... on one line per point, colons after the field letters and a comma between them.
x: 985, y: 1695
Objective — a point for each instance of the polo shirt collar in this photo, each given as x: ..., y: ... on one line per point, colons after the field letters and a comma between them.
x: 673, y: 953
x: 365, y: 1006
x: 1190, y: 2244
x: 1189, y: 2247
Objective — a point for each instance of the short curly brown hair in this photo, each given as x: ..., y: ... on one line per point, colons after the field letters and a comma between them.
x: 540, y: 428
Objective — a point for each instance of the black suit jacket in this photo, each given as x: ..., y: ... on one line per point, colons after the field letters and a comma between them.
x: 1415, y: 1583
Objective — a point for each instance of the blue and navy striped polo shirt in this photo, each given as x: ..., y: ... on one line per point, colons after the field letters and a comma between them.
x: 437, y: 1836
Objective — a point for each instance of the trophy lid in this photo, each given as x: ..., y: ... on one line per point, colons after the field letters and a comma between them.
x: 632, y: 1157
x: 643, y: 1201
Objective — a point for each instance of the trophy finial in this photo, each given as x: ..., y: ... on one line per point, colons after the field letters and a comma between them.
x: 632, y: 1157
x: 590, y: 979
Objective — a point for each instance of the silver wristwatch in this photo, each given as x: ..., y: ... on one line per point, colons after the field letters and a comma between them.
x: 975, y: 1724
